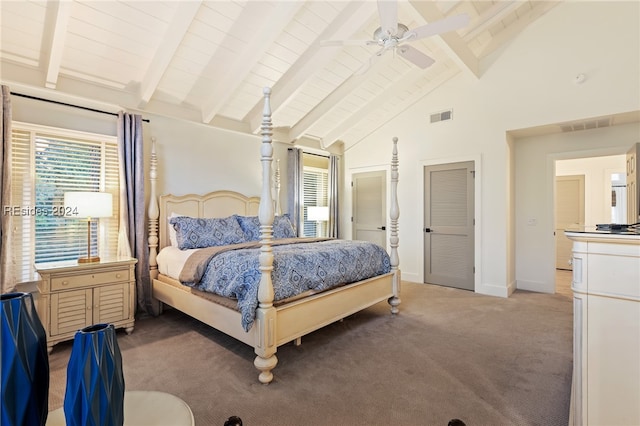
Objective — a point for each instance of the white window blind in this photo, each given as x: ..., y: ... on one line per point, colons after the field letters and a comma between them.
x: 315, y: 193
x: 46, y: 163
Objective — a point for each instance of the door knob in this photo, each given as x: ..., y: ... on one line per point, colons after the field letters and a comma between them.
x: 427, y: 229
x: 383, y: 228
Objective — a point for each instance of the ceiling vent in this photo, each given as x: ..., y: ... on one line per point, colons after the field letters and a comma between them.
x: 441, y: 116
x: 586, y: 125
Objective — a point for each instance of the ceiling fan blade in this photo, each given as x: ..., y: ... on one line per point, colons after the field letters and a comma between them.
x: 388, y: 12
x: 442, y: 26
x: 415, y: 56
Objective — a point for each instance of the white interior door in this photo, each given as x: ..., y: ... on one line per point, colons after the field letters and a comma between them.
x: 370, y: 207
x: 448, y: 225
x: 569, y: 213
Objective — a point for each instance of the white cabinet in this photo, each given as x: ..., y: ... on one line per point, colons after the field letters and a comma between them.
x: 73, y: 296
x: 606, y: 341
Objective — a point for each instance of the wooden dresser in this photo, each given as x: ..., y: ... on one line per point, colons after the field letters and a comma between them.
x: 75, y: 295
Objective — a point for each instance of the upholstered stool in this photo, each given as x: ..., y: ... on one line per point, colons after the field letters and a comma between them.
x: 144, y: 408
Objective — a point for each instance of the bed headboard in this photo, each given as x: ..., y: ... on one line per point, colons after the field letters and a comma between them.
x: 213, y: 204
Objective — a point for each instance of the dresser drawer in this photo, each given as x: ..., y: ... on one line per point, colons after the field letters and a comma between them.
x: 89, y: 279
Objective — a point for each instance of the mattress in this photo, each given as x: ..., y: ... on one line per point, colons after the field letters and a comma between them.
x: 171, y: 260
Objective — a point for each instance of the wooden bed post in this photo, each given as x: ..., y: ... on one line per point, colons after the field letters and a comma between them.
x: 393, y: 240
x: 278, y: 210
x: 265, y: 322
x: 153, y: 213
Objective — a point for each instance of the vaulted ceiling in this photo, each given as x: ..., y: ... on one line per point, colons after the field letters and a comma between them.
x: 207, y: 61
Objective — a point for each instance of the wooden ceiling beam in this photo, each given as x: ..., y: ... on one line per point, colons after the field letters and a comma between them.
x: 167, y: 48
x: 494, y: 14
x: 264, y: 31
x: 450, y: 42
x: 349, y: 22
x: 539, y: 9
x: 329, y: 103
x: 402, y: 83
x: 56, y: 49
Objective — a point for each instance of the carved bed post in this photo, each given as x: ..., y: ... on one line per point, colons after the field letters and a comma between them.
x: 277, y: 188
x: 153, y: 213
x: 393, y: 240
x: 265, y: 346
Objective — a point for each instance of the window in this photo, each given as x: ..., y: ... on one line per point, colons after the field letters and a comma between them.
x: 315, y: 179
x: 46, y: 163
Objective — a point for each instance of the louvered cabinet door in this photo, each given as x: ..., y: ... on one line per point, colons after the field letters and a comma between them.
x: 70, y: 311
x: 111, y: 303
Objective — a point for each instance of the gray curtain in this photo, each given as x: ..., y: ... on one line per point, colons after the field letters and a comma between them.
x: 132, y: 205
x: 294, y: 187
x: 334, y: 198
x: 7, y: 284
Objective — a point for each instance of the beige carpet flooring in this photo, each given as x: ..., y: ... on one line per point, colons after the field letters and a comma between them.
x: 449, y: 354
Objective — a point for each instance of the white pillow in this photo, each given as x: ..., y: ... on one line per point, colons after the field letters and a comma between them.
x: 173, y: 238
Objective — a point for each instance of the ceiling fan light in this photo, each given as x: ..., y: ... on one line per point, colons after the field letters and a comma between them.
x: 381, y: 36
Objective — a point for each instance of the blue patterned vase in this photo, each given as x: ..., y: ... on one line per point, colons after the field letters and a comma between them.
x: 25, y: 362
x: 95, y: 382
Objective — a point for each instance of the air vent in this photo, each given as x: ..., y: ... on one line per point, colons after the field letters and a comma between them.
x: 441, y: 116
x: 586, y: 125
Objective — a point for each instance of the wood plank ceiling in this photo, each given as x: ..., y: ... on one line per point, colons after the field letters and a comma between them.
x: 207, y: 61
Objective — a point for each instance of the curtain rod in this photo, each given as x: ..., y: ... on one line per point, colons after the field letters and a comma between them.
x: 312, y: 153
x: 69, y: 105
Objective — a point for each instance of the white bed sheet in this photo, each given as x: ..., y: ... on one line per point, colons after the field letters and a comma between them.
x: 171, y: 260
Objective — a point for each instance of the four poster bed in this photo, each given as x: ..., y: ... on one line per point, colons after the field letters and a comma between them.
x: 263, y: 316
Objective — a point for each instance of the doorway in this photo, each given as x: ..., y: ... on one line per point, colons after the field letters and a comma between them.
x: 449, y: 225
x: 588, y: 191
x: 569, y: 212
x: 369, y: 195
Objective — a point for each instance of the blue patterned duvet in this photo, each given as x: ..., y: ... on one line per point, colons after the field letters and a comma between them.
x: 297, y: 268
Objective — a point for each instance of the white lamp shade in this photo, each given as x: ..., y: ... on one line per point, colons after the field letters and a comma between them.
x: 88, y: 204
x: 318, y: 213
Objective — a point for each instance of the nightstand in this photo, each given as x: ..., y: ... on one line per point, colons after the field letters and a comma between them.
x: 75, y: 295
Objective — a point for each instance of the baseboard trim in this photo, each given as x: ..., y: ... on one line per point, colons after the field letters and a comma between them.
x: 494, y: 290
x: 535, y: 286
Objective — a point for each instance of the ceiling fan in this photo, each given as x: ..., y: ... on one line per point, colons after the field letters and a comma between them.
x: 392, y: 35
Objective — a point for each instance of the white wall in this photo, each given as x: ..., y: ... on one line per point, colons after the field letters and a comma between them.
x: 198, y: 159
x: 535, y: 159
x: 65, y: 117
x: 529, y: 84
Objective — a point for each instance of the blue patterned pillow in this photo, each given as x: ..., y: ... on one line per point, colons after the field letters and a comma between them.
x: 193, y: 232
x: 250, y: 226
x: 282, y: 227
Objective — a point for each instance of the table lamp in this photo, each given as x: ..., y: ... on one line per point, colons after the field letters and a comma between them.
x: 318, y: 214
x: 88, y: 205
